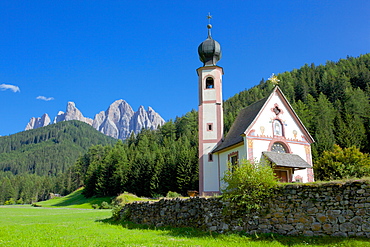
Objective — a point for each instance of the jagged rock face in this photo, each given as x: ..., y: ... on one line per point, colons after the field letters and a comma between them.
x: 118, y: 121
x: 146, y: 120
x: 114, y: 121
x: 38, y: 122
x: 72, y: 113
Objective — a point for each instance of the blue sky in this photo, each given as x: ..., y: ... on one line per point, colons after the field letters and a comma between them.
x: 145, y: 52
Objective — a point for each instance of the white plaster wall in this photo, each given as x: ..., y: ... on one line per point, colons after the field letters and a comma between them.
x: 210, y: 94
x: 265, y: 120
x: 300, y: 150
x: 209, y: 116
x: 302, y: 173
x: 223, y: 159
x: 259, y: 146
x: 210, y: 168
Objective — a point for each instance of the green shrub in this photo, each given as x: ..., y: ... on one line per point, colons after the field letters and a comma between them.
x: 95, y: 206
x: 248, y: 184
x: 172, y: 194
x: 9, y: 202
x: 105, y: 205
x: 341, y: 164
x: 116, y: 212
x: 20, y: 201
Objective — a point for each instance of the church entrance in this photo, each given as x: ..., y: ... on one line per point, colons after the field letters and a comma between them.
x: 282, y: 176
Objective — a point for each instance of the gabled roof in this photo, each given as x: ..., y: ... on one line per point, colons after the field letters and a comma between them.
x: 241, y: 123
x: 248, y: 115
x: 286, y: 160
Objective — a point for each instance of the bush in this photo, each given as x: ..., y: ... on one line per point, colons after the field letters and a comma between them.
x: 342, y: 163
x: 20, y: 201
x: 116, y: 212
x: 105, y: 205
x: 9, y: 202
x: 248, y: 184
x: 172, y: 194
x: 95, y: 206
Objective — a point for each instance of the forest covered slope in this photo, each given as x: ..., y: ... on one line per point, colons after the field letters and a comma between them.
x: 48, y: 150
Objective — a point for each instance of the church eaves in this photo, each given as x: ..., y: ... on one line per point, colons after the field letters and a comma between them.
x: 241, y: 123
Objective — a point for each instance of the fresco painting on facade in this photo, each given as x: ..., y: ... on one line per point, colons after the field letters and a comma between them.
x: 273, y: 117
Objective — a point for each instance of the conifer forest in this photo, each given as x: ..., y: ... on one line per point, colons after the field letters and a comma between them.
x: 332, y: 101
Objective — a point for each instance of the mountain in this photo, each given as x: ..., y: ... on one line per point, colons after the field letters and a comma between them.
x: 72, y: 113
x: 38, y: 122
x: 118, y: 121
x: 49, y: 150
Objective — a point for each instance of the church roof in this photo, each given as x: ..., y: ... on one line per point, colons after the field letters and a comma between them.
x: 286, y: 160
x: 246, y: 117
x: 242, y: 121
x: 209, y: 50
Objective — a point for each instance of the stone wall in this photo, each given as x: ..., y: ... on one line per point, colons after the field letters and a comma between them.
x: 335, y: 209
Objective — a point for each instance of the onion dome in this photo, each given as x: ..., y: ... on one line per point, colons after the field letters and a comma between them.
x: 209, y: 50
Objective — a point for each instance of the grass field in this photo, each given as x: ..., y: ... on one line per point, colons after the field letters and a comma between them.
x: 34, y: 226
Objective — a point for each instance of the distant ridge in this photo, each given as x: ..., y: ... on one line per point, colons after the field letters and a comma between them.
x: 49, y: 150
x: 118, y: 121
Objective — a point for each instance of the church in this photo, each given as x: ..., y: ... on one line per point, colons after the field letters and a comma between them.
x: 267, y: 130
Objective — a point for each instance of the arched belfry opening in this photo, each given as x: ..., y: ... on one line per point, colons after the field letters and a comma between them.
x: 210, y: 83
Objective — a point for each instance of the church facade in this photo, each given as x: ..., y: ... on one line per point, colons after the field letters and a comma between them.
x: 268, y: 131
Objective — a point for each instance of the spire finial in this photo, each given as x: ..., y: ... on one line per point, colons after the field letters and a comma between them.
x: 209, y: 26
x: 274, y: 79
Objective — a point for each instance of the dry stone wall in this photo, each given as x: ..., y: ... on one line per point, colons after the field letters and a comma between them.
x: 335, y: 209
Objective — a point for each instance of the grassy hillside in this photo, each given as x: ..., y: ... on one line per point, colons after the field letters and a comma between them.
x: 77, y: 200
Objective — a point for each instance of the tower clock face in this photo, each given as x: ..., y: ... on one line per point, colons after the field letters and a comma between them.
x: 278, y: 147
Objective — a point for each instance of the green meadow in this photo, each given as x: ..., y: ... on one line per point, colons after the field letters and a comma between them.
x: 39, y: 226
x: 70, y: 221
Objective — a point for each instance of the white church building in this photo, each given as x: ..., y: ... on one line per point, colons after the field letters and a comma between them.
x: 269, y: 129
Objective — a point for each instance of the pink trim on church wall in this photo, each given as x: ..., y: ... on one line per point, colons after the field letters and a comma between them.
x: 281, y: 140
x: 201, y: 152
x: 209, y: 102
x: 250, y: 149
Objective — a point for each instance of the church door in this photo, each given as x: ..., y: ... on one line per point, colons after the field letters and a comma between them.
x: 282, y: 175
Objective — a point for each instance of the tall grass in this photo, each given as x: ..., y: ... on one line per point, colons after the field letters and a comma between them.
x: 30, y: 226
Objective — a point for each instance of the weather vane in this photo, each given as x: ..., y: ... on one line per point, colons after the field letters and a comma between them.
x: 274, y: 79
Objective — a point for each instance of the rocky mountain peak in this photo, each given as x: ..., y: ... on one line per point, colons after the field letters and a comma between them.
x: 72, y: 113
x: 118, y: 121
x: 38, y: 122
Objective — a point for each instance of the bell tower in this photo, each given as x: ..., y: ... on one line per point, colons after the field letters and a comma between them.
x: 210, y: 114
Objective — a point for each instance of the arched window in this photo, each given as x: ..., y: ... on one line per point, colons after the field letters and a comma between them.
x: 210, y: 83
x: 278, y: 128
x: 278, y: 148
